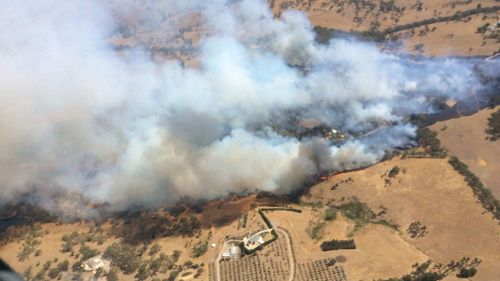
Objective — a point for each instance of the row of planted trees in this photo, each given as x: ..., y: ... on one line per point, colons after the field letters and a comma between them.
x: 338, y: 245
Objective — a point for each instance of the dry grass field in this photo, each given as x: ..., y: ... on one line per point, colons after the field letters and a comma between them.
x: 427, y: 195
x: 447, y: 38
x: 380, y: 253
x: 457, y: 37
x: 429, y: 192
x: 456, y: 226
x: 465, y: 138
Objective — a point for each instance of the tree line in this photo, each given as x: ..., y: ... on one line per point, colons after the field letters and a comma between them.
x: 338, y: 245
x: 484, y: 195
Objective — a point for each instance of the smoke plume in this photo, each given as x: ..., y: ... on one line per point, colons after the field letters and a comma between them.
x: 76, y: 116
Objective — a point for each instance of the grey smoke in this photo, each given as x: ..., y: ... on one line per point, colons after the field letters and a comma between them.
x: 75, y: 116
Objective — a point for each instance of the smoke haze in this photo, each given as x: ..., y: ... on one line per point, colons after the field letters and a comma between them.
x: 75, y: 116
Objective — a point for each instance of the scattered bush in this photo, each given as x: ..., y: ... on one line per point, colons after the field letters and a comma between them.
x: 421, y: 273
x: 139, y: 228
x: 142, y: 273
x: 467, y: 272
x: 88, y: 252
x: 200, y: 249
x: 77, y: 267
x: 356, y: 210
x: 323, y: 34
x: 315, y: 230
x: 176, y: 255
x: 458, y: 15
x: 176, y: 210
x: 67, y: 246
x: 330, y: 214
x: 156, y: 248
x: 416, y: 229
x: 173, y: 275
x: 61, y: 267
x: 428, y: 140
x: 111, y: 276
x: 123, y: 256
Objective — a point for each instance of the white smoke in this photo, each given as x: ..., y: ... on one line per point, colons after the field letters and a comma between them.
x: 78, y: 117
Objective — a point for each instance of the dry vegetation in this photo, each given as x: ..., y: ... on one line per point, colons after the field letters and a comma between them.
x: 435, y: 208
x: 400, y: 213
x: 450, y: 34
x: 429, y: 27
x: 465, y: 138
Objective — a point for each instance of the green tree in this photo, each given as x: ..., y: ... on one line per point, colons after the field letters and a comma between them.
x: 124, y: 256
x: 200, y: 249
x: 99, y: 272
x: 112, y: 276
x: 467, y: 272
x: 330, y: 214
x: 394, y: 171
x: 494, y: 126
x: 156, y: 248
x: 88, y: 252
x: 142, y: 273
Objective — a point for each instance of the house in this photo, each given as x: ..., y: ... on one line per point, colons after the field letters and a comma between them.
x: 232, y: 253
x: 95, y: 263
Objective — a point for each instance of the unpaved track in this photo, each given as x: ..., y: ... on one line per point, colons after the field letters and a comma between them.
x: 290, y: 253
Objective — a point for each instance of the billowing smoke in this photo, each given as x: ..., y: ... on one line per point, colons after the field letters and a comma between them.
x: 124, y: 129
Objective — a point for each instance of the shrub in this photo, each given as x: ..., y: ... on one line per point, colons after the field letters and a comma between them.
x: 394, y: 171
x: 154, y: 266
x: 77, y: 267
x: 53, y: 273
x: 420, y: 273
x: 330, y: 214
x: 156, y: 248
x: 176, y: 210
x: 176, y: 255
x: 200, y: 249
x: 99, y: 272
x: 123, y: 256
x: 173, y: 275
x: 62, y: 266
x: 428, y: 140
x: 356, y: 210
x: 67, y: 246
x: 88, y: 252
x: 111, y: 276
x: 467, y: 272
x: 142, y: 273
x: 315, y: 230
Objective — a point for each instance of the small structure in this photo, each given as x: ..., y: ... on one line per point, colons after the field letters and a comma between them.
x: 258, y: 240
x: 233, y: 252
x: 95, y: 263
